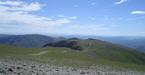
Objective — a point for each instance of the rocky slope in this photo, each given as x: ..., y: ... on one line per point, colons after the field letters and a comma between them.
x: 8, y: 67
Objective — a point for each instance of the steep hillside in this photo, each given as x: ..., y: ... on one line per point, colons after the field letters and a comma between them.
x: 32, y: 41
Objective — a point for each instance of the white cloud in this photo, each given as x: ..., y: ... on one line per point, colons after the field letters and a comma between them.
x: 90, y: 29
x: 138, y: 12
x: 93, y: 3
x: 74, y: 17
x: 22, y: 17
x: 117, y: 18
x: 61, y: 21
x: 141, y: 32
x: 95, y: 27
x: 21, y: 6
x: 60, y: 15
x: 13, y: 3
x: 120, y: 2
x: 112, y: 18
x: 30, y: 7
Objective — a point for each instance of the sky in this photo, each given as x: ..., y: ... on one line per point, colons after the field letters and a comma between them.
x: 73, y: 17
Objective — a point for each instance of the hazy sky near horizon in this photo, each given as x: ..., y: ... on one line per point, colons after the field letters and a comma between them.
x: 85, y: 17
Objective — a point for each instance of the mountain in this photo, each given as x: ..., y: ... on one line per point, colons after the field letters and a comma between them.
x: 30, y: 41
x: 137, y: 42
x: 65, y: 43
x: 102, y: 50
x: 132, y: 42
x: 3, y: 35
x: 36, y: 41
x: 67, y: 52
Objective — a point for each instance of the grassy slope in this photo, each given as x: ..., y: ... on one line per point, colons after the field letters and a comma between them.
x: 65, y: 56
x: 104, y: 50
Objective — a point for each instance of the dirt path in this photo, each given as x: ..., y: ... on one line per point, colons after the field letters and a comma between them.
x: 40, y: 53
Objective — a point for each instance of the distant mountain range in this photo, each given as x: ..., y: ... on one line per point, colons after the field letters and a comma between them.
x: 32, y: 41
x: 36, y: 40
x: 132, y: 42
x: 137, y: 42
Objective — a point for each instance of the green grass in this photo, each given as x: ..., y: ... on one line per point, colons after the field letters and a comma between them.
x: 95, y: 52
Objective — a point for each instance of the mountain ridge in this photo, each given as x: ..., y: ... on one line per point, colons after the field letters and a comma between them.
x: 132, y: 42
x: 30, y: 41
x: 104, y: 50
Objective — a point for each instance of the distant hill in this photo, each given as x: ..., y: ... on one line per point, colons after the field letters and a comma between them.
x: 137, y: 42
x: 132, y: 42
x: 30, y: 41
x: 3, y: 35
x: 73, y: 44
x: 36, y: 41
x: 103, y: 50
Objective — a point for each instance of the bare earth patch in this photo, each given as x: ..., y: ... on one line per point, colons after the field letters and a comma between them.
x: 40, y: 53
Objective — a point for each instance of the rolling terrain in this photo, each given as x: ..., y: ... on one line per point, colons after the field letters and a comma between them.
x: 137, y: 42
x: 73, y: 57
x: 37, y: 41
x: 103, y: 50
x: 91, y: 52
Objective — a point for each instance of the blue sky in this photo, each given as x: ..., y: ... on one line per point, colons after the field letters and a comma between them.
x: 73, y: 17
